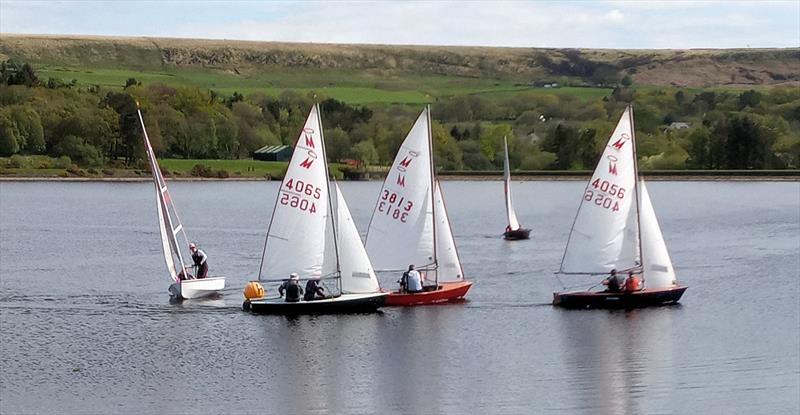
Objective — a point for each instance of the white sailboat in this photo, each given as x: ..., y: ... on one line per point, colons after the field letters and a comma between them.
x: 616, y: 229
x: 514, y: 230
x: 173, y: 236
x: 410, y: 226
x: 311, y: 233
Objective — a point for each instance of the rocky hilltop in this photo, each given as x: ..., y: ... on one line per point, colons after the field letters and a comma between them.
x: 689, y: 68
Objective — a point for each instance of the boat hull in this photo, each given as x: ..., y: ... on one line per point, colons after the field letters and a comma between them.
x: 517, y: 234
x: 197, y: 288
x: 444, y: 292
x: 649, y: 297
x: 343, y: 304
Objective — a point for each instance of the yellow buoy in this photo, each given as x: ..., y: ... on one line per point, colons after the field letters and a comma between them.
x: 253, y: 289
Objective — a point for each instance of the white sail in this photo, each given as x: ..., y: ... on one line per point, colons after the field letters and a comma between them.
x: 449, y: 269
x: 355, y: 268
x: 658, y: 271
x: 400, y: 232
x: 169, y: 224
x: 604, y: 235
x: 300, y: 224
x: 513, y: 223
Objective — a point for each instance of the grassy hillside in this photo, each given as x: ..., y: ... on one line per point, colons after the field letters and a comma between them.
x: 362, y: 74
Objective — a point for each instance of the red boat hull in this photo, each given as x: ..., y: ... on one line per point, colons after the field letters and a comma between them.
x: 648, y: 297
x: 444, y: 292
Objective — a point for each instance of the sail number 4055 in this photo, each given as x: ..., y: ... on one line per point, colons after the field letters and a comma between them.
x: 392, y: 205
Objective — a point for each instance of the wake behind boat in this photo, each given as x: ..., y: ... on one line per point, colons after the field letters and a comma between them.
x: 312, y: 237
x: 185, y: 285
x: 410, y: 226
x: 514, y: 231
x: 616, y: 230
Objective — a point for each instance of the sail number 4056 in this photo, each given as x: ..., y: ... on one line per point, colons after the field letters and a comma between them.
x: 605, y: 199
x: 392, y: 205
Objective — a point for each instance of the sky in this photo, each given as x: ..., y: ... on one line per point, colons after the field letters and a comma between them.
x: 558, y: 24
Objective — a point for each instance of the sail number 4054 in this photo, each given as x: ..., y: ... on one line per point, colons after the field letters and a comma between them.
x: 392, y: 205
x: 605, y: 199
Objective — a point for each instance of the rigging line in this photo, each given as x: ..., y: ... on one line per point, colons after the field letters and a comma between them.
x: 432, y: 190
x: 636, y: 190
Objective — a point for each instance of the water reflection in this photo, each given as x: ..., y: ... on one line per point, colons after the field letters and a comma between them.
x: 620, y: 361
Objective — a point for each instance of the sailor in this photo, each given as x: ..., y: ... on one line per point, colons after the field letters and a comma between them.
x: 291, y: 288
x: 614, y: 282
x: 314, y: 291
x: 632, y: 282
x: 411, y: 281
x: 200, y: 260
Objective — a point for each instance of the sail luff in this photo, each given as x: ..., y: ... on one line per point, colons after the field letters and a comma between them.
x: 636, y: 189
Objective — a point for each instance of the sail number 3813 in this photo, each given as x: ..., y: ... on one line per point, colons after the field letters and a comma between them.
x: 392, y: 205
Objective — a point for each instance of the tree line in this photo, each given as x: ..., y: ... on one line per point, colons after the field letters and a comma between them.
x: 675, y: 128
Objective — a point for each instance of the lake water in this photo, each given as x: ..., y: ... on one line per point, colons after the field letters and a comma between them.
x: 86, y: 325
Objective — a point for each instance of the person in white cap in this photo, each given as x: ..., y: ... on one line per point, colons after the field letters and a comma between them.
x: 200, y: 260
x: 291, y: 288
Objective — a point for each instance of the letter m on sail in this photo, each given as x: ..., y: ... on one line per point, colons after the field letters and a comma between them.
x: 405, y: 162
x: 307, y: 162
x: 618, y: 145
x: 401, y: 180
x: 309, y: 141
x: 612, y: 168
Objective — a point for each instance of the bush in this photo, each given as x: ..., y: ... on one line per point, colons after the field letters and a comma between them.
x: 19, y: 162
x: 62, y: 162
x: 223, y: 174
x: 108, y: 172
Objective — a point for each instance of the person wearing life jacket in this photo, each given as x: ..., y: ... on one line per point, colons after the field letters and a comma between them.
x: 291, y: 288
x: 613, y: 282
x: 200, y: 260
x: 632, y: 282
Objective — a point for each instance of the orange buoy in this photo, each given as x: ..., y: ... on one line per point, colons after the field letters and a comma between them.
x: 253, y: 289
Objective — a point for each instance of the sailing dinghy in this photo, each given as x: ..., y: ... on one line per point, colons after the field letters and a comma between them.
x: 616, y: 229
x: 410, y: 224
x: 311, y: 233
x: 514, y: 231
x: 173, y: 236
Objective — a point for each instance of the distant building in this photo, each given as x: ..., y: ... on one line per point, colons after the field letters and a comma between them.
x: 677, y: 126
x: 544, y: 84
x: 273, y: 153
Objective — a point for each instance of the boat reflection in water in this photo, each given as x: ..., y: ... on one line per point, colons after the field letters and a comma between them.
x: 620, y: 362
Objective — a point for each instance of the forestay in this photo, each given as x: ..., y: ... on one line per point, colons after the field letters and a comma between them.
x: 401, y: 229
x: 169, y: 223
x: 300, y: 224
x: 658, y: 271
x: 513, y: 223
x: 605, y: 233
x: 449, y: 269
x: 355, y: 267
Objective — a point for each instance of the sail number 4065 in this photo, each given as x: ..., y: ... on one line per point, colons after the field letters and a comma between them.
x: 298, y: 200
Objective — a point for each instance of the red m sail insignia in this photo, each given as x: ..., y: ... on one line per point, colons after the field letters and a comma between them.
x: 307, y: 162
x: 401, y: 180
x: 618, y: 145
x: 612, y: 168
x: 405, y: 162
x: 309, y: 140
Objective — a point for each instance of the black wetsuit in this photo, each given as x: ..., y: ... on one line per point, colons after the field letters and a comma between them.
x: 313, y: 290
x: 201, y: 262
x: 292, y: 289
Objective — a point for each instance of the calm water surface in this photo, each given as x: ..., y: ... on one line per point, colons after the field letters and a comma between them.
x: 86, y: 325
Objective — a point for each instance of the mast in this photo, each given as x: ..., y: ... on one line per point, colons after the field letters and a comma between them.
x: 433, y: 189
x: 636, y: 190
x: 330, y: 199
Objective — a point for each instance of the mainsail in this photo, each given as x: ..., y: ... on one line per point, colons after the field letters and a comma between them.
x: 169, y: 223
x: 401, y: 229
x: 605, y: 234
x: 513, y: 223
x: 299, y: 235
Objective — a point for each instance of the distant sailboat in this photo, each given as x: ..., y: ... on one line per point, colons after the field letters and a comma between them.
x: 514, y: 230
x: 311, y: 233
x: 616, y: 229
x: 170, y: 227
x: 410, y: 226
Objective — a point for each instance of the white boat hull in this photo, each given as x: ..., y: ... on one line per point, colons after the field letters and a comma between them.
x: 198, y: 288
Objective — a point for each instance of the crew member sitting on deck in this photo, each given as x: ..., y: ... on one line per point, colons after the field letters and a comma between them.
x: 314, y: 291
x: 200, y: 260
x: 292, y: 288
x: 632, y: 282
x: 614, y: 282
x: 411, y: 281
